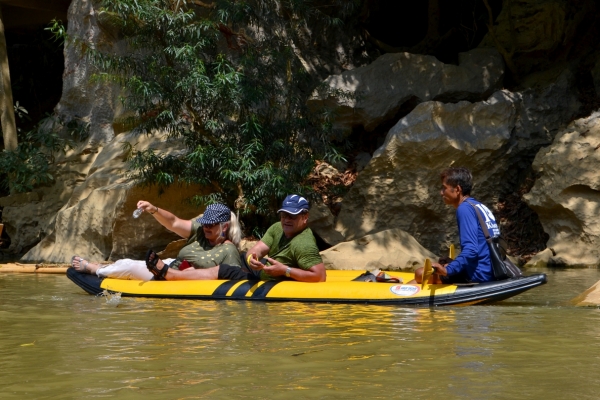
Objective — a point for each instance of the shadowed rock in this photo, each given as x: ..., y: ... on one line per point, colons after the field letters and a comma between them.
x: 566, y: 196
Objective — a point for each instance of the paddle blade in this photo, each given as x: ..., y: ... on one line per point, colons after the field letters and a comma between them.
x: 452, y: 252
x: 427, y: 272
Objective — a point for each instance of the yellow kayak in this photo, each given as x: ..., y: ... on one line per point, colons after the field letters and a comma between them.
x: 342, y: 286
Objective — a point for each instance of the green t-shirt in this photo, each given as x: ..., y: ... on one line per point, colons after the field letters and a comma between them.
x: 201, y: 254
x: 301, y: 251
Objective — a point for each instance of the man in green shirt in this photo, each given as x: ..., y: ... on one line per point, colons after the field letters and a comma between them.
x: 289, y: 247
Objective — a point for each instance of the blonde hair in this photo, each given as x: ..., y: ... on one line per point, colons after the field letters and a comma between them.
x: 234, y: 233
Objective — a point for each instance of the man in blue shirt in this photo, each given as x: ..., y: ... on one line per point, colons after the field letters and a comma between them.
x: 473, y: 264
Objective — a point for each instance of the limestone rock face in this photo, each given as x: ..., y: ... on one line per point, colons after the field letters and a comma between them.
x: 394, y: 80
x: 93, y: 104
x: 540, y: 260
x: 539, y: 25
x: 26, y: 215
x: 96, y: 222
x: 321, y: 222
x: 541, y: 32
x: 393, y: 250
x: 399, y: 188
x: 590, y: 297
x: 566, y: 196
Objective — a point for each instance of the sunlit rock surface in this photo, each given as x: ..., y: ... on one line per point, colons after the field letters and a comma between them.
x: 540, y: 260
x: 96, y: 222
x: 566, y: 196
x: 590, y: 297
x: 396, y: 80
x: 392, y: 249
x: 399, y: 188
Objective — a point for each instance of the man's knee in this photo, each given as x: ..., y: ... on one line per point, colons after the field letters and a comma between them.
x: 419, y: 275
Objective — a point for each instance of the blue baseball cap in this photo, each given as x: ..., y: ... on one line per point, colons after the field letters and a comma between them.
x: 214, y: 214
x: 294, y: 204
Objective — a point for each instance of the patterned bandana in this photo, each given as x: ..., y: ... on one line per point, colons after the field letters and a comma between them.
x: 214, y: 214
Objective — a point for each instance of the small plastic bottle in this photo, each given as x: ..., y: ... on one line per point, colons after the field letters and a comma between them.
x: 138, y: 212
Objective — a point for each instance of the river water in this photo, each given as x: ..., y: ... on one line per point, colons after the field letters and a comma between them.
x: 57, y: 342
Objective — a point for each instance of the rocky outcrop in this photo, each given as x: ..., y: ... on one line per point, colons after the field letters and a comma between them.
x: 589, y: 298
x: 450, y: 119
x: 87, y: 211
x: 540, y: 260
x: 91, y: 104
x: 26, y: 215
x: 399, y: 188
x: 96, y: 222
x: 321, y: 221
x: 391, y: 250
x: 542, y: 33
x: 377, y: 92
x: 566, y: 196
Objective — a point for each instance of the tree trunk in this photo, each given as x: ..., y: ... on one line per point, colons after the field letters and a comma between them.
x: 7, y: 116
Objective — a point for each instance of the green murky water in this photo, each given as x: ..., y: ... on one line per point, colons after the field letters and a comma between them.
x: 56, y: 342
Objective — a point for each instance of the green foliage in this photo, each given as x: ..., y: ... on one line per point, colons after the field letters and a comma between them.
x: 58, y: 30
x: 225, y: 79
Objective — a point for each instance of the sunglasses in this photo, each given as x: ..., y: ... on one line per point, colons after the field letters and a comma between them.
x: 210, y: 226
x: 284, y: 215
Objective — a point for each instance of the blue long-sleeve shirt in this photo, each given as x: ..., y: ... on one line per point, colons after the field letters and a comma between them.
x: 474, y: 258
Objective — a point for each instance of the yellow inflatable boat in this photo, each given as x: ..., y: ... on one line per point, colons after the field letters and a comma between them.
x: 341, y: 287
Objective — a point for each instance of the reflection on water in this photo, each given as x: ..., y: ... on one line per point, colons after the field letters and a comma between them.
x: 58, y: 342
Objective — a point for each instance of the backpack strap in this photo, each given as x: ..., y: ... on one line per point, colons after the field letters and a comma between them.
x: 486, y: 232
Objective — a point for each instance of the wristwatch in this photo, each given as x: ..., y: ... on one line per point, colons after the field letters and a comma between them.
x: 288, y: 272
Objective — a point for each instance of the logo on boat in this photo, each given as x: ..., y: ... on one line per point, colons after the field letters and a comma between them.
x: 405, y: 290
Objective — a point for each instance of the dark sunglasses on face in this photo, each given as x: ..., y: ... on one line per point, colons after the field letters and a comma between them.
x: 284, y: 215
x: 210, y: 226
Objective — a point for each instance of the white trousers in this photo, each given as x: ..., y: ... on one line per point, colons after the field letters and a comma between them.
x: 128, y: 269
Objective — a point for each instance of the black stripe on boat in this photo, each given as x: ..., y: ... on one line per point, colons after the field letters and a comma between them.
x: 240, y: 291
x: 262, y: 291
x: 222, y: 290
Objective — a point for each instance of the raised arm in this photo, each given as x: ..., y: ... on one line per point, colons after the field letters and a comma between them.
x: 182, y: 227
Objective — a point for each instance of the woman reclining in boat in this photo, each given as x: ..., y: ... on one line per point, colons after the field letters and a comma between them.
x: 213, y: 239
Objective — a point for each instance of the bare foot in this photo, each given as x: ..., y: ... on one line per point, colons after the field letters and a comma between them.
x: 84, y: 266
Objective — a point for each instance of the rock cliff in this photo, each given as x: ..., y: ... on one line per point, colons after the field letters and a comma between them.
x: 502, y: 104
